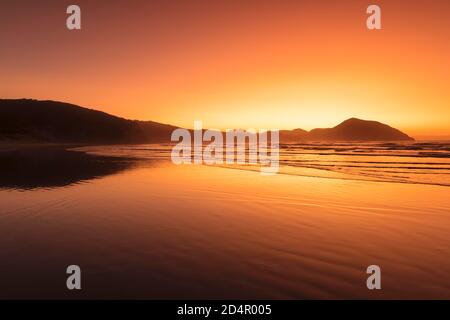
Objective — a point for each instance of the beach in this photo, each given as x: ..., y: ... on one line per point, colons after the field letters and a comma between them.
x: 157, y: 230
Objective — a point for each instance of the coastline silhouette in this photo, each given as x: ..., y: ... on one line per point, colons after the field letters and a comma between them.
x: 57, y: 122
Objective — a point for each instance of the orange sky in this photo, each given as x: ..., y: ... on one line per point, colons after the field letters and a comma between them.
x: 230, y: 63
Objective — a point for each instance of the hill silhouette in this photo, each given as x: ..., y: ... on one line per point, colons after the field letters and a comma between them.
x: 51, y: 121
x: 57, y: 122
x: 354, y: 129
x: 293, y: 136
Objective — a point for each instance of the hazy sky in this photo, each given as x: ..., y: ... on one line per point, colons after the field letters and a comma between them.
x: 260, y: 64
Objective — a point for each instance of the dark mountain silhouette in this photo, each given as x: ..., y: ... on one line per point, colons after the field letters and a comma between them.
x: 355, y: 129
x: 352, y: 129
x: 50, y: 121
x: 293, y: 136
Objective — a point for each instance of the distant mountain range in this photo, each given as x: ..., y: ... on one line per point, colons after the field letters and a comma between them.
x: 352, y: 129
x: 28, y: 120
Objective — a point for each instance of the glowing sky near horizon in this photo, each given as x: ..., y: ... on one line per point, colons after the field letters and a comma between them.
x: 235, y: 64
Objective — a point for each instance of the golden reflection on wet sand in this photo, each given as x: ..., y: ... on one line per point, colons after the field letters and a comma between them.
x: 166, y: 231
